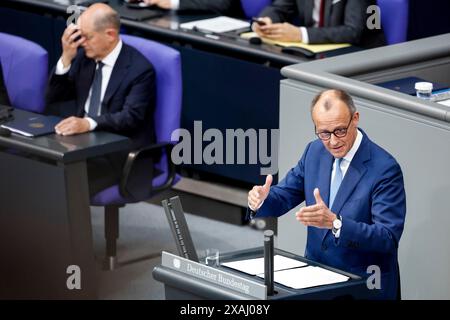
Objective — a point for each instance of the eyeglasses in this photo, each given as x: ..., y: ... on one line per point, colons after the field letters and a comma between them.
x: 338, y: 133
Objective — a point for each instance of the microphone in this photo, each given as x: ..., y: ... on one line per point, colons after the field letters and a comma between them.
x: 268, y: 261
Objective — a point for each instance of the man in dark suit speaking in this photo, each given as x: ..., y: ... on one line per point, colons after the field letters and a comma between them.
x: 354, y: 195
x: 319, y: 21
x: 112, y: 84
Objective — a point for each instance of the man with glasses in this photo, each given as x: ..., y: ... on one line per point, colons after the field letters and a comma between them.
x: 354, y: 195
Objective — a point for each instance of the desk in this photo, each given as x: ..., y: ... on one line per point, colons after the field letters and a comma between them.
x: 45, y: 222
x: 227, y: 83
x: 182, y: 285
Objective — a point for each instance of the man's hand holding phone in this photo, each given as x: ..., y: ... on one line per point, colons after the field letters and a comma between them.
x: 71, y: 40
x: 259, y: 24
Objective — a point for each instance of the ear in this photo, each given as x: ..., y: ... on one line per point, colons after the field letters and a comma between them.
x: 356, y: 118
x: 111, y: 33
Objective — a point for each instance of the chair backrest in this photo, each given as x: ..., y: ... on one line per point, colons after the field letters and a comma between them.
x: 394, y: 19
x: 167, y: 64
x: 253, y: 7
x: 25, y: 71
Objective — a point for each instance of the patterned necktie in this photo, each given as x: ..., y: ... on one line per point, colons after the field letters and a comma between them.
x: 336, y: 181
x: 94, y: 104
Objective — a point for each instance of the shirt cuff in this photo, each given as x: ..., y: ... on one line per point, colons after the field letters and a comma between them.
x: 92, y: 123
x: 60, y: 70
x: 253, y: 209
x: 305, y: 38
x: 175, y: 4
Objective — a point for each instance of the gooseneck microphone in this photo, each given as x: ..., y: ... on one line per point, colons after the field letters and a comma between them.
x: 268, y: 261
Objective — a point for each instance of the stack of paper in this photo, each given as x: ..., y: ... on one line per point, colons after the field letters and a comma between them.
x: 256, y: 266
x: 307, y: 277
x: 216, y: 25
x: 316, y: 48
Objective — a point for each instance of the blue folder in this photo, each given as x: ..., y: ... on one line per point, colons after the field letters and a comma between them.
x: 34, y: 126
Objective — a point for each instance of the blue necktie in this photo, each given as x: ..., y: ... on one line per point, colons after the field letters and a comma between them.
x: 336, y: 181
x: 94, y: 104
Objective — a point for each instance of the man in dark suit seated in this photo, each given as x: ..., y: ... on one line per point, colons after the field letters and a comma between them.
x: 112, y: 84
x: 4, y: 99
x: 355, y: 202
x: 319, y: 21
x: 223, y: 7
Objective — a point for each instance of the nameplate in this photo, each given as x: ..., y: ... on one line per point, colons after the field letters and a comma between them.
x: 218, y: 277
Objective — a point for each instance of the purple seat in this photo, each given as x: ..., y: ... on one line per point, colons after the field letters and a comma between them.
x: 394, y: 19
x: 252, y: 8
x: 25, y: 70
x: 167, y: 64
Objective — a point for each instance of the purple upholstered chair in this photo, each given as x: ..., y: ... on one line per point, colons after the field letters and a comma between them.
x: 253, y: 7
x: 167, y: 64
x: 25, y: 70
x: 394, y: 19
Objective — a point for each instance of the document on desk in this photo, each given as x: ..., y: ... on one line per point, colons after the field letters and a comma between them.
x: 256, y: 266
x: 445, y: 102
x: 216, y: 25
x: 307, y: 277
x: 316, y: 48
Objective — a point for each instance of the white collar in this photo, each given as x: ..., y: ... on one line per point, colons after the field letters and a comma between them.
x: 111, y: 58
x: 351, y: 153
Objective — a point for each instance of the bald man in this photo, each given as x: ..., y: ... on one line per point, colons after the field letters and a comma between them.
x: 111, y: 83
x: 355, y: 203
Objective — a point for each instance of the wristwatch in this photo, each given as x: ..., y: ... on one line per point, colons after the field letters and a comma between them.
x: 337, y: 225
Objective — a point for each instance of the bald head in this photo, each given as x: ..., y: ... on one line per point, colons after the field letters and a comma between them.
x: 328, y: 98
x: 100, y: 16
x: 99, y: 26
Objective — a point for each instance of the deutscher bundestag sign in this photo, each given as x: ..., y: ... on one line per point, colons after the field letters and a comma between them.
x: 221, y: 278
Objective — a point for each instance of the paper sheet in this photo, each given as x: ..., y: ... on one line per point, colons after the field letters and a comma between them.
x: 217, y: 25
x: 307, y: 277
x: 256, y: 266
x: 316, y: 48
x: 445, y: 102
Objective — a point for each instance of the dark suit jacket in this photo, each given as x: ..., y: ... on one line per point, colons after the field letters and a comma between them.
x: 371, y: 201
x: 223, y: 7
x: 344, y: 21
x: 128, y: 104
x: 4, y: 99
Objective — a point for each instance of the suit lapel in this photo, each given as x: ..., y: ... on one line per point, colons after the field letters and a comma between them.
x: 308, y: 6
x: 355, y: 172
x: 326, y: 162
x: 118, y: 73
x: 327, y: 13
x: 87, y: 74
x: 326, y: 165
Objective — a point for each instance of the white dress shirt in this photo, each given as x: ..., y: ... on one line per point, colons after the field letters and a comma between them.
x: 174, y: 4
x: 345, y: 163
x: 109, y: 61
x: 316, y: 18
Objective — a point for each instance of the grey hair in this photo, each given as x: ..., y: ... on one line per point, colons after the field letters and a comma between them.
x: 110, y: 19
